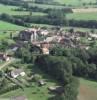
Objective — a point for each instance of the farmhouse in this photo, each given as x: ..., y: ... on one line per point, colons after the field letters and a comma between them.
x: 17, y: 72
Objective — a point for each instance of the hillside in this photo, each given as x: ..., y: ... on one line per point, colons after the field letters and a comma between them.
x: 53, y: 48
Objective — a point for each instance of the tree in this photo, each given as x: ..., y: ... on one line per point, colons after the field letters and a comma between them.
x: 4, y: 46
x: 56, y: 66
x: 71, y: 30
x: 60, y: 69
x: 71, y: 89
x: 44, y: 1
x: 58, y: 17
x: 25, y: 55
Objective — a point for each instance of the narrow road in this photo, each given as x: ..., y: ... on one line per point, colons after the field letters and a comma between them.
x: 6, y: 63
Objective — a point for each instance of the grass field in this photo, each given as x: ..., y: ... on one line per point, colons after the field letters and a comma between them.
x: 8, y: 26
x: 88, y: 90
x: 82, y: 16
x: 46, y: 6
x: 5, y: 26
x: 11, y: 10
x: 34, y: 92
x: 6, y: 35
x: 75, y: 2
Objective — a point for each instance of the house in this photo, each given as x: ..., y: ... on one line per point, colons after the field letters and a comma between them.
x: 93, y: 36
x: 81, y: 34
x: 17, y: 72
x: 86, y: 47
x: 53, y: 39
x: 4, y: 57
x: 29, y: 34
x: 32, y: 34
x: 66, y: 42
x: 90, y: 39
x: 45, y: 45
x: 44, y: 32
x: 14, y: 49
x: 45, y: 51
x: 48, y: 39
x: 41, y: 82
x: 19, y: 98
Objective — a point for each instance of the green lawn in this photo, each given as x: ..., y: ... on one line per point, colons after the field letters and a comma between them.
x: 88, y: 83
x: 34, y: 92
x: 82, y: 16
x: 69, y: 2
x: 88, y: 90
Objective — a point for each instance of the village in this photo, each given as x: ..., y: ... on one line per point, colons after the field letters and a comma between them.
x: 48, y: 49
x: 43, y: 40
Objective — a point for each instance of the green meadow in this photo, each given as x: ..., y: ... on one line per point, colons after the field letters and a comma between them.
x: 82, y: 16
x: 75, y: 2
x: 34, y: 92
x: 11, y: 11
x: 87, y: 90
x: 8, y: 26
x: 45, y: 6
